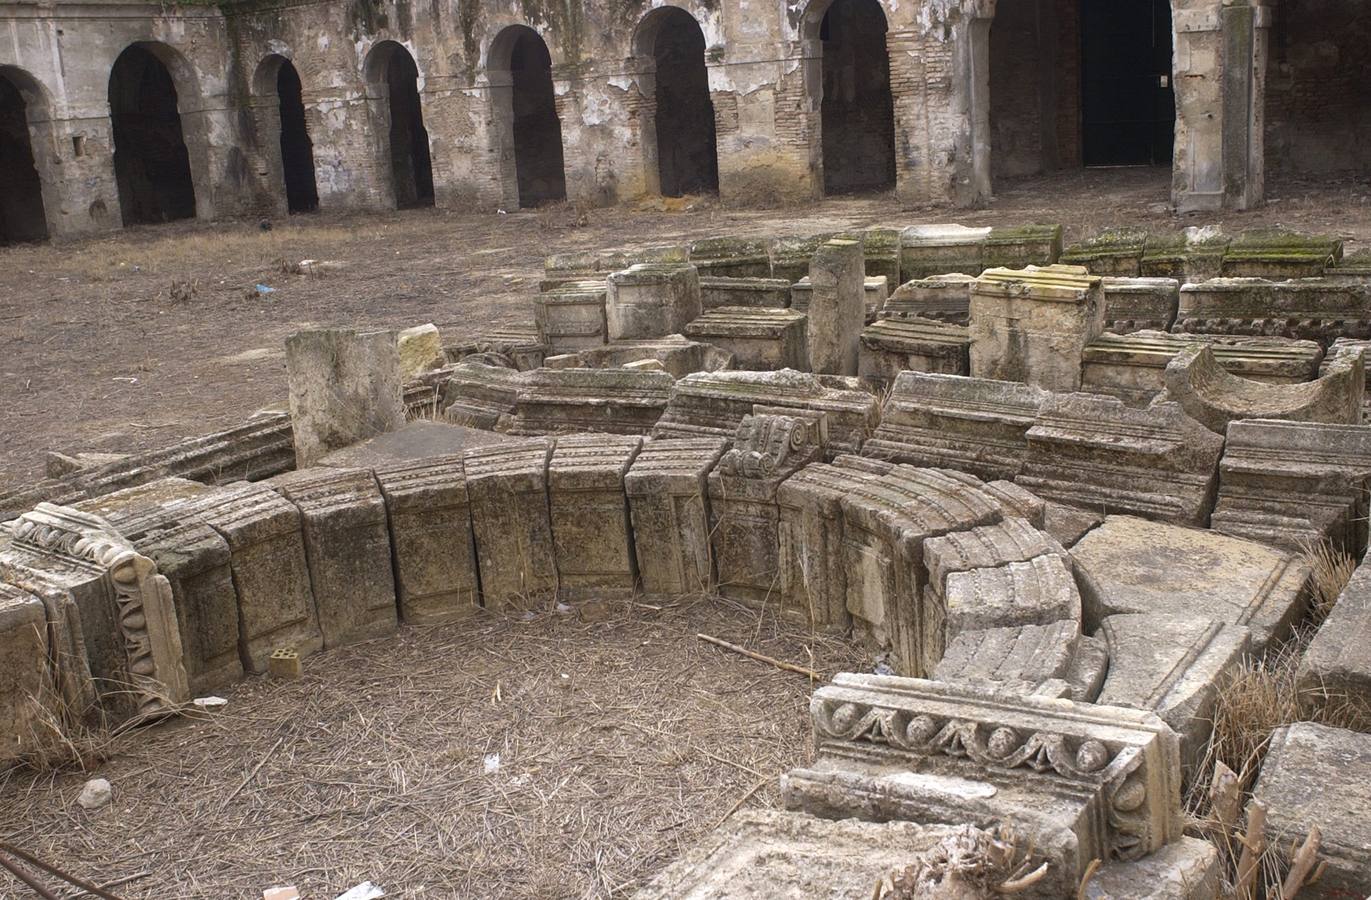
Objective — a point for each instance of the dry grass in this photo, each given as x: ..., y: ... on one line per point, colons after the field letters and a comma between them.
x: 621, y: 739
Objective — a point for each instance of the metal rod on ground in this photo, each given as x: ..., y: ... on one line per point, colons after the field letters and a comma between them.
x: 760, y: 657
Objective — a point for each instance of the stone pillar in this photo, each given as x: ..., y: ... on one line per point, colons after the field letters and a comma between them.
x: 837, y: 308
x: 651, y: 301
x: 344, y: 387
x: 1032, y: 325
x: 1220, y: 81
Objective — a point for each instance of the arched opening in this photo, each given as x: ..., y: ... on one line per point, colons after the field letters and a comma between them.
x: 297, y: 150
x: 857, y: 112
x: 21, y: 191
x: 521, y: 69
x: 686, y: 145
x: 151, y: 164
x: 392, y: 69
x: 1128, y: 107
x: 1318, y: 89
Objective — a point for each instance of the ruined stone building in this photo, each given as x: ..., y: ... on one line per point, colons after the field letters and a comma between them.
x: 118, y: 112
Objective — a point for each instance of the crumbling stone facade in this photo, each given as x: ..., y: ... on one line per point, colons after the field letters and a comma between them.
x: 246, y: 108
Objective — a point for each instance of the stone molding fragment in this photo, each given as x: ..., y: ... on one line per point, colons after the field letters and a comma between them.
x: 613, y: 401
x: 1336, y: 665
x: 1315, y: 309
x: 1018, y: 658
x: 651, y: 300
x: 1349, y: 343
x: 885, y: 525
x: 942, y: 298
x: 430, y: 531
x: 421, y: 351
x: 667, y: 487
x: 511, y: 521
x: 972, y: 424
x: 732, y: 257
x: 1317, y: 775
x: 1037, y: 591
x: 1174, y: 665
x: 713, y: 404
x: 754, y: 293
x: 1293, y: 484
x: 1214, y: 397
x: 770, y: 854
x: 1133, y: 367
x: 1092, y: 451
x: 679, y: 356
x: 516, y: 345
x: 480, y: 395
x: 127, y: 619
x: 760, y: 339
x: 790, y: 256
x: 881, y: 250
x: 1131, y: 565
x: 1278, y: 253
x: 580, y: 265
x: 1140, y: 304
x: 1011, y: 540
x: 571, y: 318
x: 837, y: 306
x: 891, y: 346
x: 1194, y: 254
x: 157, y: 519
x: 266, y: 544
x: 347, y: 546
x: 1084, y: 781
x: 1114, y: 252
x: 1021, y: 246
x: 590, y: 516
x: 875, y: 291
x: 1186, y: 869
x: 1031, y: 325
x: 928, y: 250
x: 810, y: 536
x: 345, y: 386
x: 25, y: 681
x: 744, y: 515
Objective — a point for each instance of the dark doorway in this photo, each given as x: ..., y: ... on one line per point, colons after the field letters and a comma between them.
x: 858, y: 113
x: 297, y: 150
x: 687, y: 150
x: 410, y: 160
x: 21, y: 193
x: 1128, y: 103
x: 151, y: 163
x: 537, y: 131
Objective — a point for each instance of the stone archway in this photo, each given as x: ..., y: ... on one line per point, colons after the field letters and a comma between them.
x: 152, y: 162
x: 278, y: 97
x: 680, y: 146
x: 527, y: 129
x: 393, y: 91
x: 22, y: 216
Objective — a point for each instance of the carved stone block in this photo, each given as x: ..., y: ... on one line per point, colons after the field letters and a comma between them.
x: 25, y: 684
x: 571, y: 318
x: 507, y: 489
x: 677, y: 355
x: 837, y: 307
x: 1174, y: 665
x: 713, y: 404
x: 942, y: 298
x: 1277, y: 253
x: 1186, y: 869
x: 580, y: 265
x: 761, y: 293
x: 430, y: 532
x: 1092, y: 451
x: 759, y: 339
x: 1140, y: 304
x: 667, y: 487
x: 1315, y: 309
x: 1131, y: 565
x: 1031, y: 325
x: 1315, y: 775
x: 972, y: 424
x: 1192, y: 255
x: 345, y: 386
x: 1294, y: 484
x: 927, y: 250
x: 1116, y: 251
x: 480, y: 395
x: 347, y: 544
x: 651, y: 301
x: 744, y: 515
x: 613, y: 401
x: 590, y: 518
x: 1018, y: 658
x: 875, y: 292
x: 1011, y: 540
x: 1021, y: 246
x: 1037, y: 591
x: 1079, y: 781
x: 1336, y: 665
x: 264, y: 534
x: 891, y: 346
x: 790, y: 256
x: 732, y: 257
x: 881, y: 251
x: 517, y: 346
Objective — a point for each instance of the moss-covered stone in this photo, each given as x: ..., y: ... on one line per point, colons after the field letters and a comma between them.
x: 1014, y: 247
x: 1115, y: 252
x: 1278, y: 253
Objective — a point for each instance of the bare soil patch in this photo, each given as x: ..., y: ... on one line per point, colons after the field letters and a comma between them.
x: 158, y: 333
x: 559, y: 755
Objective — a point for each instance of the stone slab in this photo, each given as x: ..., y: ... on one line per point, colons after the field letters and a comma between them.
x: 345, y: 386
x: 764, y: 293
x: 1131, y: 565
x: 667, y: 492
x: 410, y: 442
x: 927, y: 250
x: 943, y: 298
x: 677, y: 355
x: 25, y: 683
x: 837, y: 307
x: 891, y: 346
x: 510, y: 519
x: 732, y: 257
x: 760, y: 339
x: 1037, y: 591
x: 1115, y: 252
x: 651, y: 300
x: 571, y: 318
x: 1336, y: 666
x: 610, y: 401
x: 1187, y: 869
x: 590, y: 516
x: 1020, y: 657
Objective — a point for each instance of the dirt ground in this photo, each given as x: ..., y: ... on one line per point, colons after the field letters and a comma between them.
x: 159, y: 333
x: 566, y: 756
